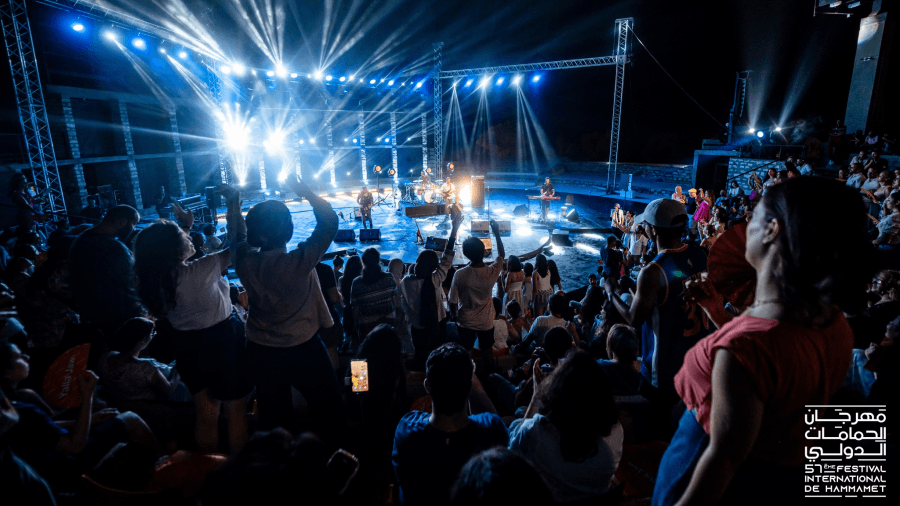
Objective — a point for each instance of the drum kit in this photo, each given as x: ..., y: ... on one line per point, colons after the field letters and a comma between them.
x: 418, y: 192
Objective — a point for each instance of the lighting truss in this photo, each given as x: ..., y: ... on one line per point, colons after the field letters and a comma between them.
x: 96, y: 10
x: 527, y: 67
x: 437, y: 58
x: 622, y: 27
x: 30, y: 102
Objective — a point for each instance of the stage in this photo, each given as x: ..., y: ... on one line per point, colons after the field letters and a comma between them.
x: 526, y: 233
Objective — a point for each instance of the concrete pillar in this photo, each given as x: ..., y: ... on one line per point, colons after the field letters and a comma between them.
x: 77, y: 169
x: 129, y: 150
x: 394, y: 147
x: 868, y: 85
x: 362, y: 147
x: 176, y: 143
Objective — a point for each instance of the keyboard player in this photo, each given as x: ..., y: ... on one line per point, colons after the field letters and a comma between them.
x: 546, y: 191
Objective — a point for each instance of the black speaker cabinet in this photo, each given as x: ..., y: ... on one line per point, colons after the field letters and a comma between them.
x: 369, y: 234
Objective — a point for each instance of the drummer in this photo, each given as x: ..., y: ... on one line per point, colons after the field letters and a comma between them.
x: 426, y: 179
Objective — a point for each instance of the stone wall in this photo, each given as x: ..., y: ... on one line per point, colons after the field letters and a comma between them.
x: 678, y: 174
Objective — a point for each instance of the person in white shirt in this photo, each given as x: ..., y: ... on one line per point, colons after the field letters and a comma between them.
x: 617, y: 221
x: 856, y: 178
x: 471, y: 297
x: 861, y: 158
x: 804, y: 167
x: 637, y: 246
x: 544, y: 323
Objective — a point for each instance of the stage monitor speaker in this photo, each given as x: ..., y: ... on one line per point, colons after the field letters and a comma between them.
x: 572, y: 216
x: 425, y: 210
x: 480, y: 227
x: 521, y: 210
x: 345, y: 235
x: 478, y: 192
x: 357, y: 214
x: 436, y: 243
x: 505, y: 227
x: 369, y: 234
x: 561, y: 238
x: 487, y: 245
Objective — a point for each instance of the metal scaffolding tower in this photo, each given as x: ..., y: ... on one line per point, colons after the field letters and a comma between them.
x: 619, y: 59
x: 437, y: 58
x: 30, y: 102
x: 622, y: 28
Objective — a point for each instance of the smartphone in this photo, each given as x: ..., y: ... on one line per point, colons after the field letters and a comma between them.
x: 359, y: 375
x: 343, y: 466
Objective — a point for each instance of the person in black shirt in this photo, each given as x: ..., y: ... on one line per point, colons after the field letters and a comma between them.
x: 877, y: 162
x: 365, y: 202
x: 546, y: 191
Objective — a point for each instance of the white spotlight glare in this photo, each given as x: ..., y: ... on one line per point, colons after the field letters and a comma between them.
x: 238, y: 69
x: 78, y: 27
x: 139, y: 43
x: 484, y: 82
x: 760, y: 134
x: 225, y: 69
x: 281, y: 70
x: 318, y: 75
x: 181, y: 54
x: 777, y: 129
x: 536, y: 78
x: 328, y: 78
x: 391, y: 82
x: 109, y: 35
x: 469, y: 82
x: 517, y: 80
x: 752, y: 130
x: 499, y: 81
x: 372, y: 81
x: 270, y: 73
x: 162, y: 50
x: 275, y: 142
x: 294, y: 75
x: 342, y: 79
x: 312, y: 140
x: 419, y: 84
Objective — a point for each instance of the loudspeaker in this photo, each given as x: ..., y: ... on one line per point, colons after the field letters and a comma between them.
x: 345, y: 236
x: 480, y: 227
x: 435, y: 243
x: 573, y: 216
x: 521, y: 210
x: 369, y: 234
x: 504, y: 226
x: 357, y: 214
x: 213, y: 199
x: 425, y: 210
x: 487, y: 245
x: 560, y: 238
x: 478, y: 192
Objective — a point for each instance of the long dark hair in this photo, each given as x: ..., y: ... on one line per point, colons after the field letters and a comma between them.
x: 157, y: 254
x: 352, y: 269
x: 515, y: 265
x: 371, y: 260
x: 554, y: 273
x: 816, y: 269
x: 387, y: 380
x: 577, y: 400
x: 541, y: 266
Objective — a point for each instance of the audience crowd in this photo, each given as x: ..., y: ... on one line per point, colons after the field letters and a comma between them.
x: 712, y: 319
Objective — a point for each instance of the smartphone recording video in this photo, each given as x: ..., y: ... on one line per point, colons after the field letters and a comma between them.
x: 359, y: 375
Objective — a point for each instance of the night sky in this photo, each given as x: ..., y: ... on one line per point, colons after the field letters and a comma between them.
x: 800, y: 64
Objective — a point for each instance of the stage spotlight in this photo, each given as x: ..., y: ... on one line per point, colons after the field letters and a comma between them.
x: 281, y: 71
x: 225, y: 69
x: 110, y: 35
x: 752, y: 130
x: 450, y: 167
x: 403, y: 84
x: 294, y: 75
x: 428, y: 170
x: 342, y: 79
x: 377, y: 169
x: 345, y: 139
x: 360, y: 79
x: 382, y: 79
x: 391, y: 172
x: 355, y: 141
x: 469, y: 82
x: 318, y: 75
x: 760, y: 134
x: 517, y: 80
x: 183, y: 55
x: 270, y: 73
x: 391, y: 82
x: 139, y: 43
x: 78, y: 27
x: 777, y: 129
x: 238, y: 69
x: 328, y: 78
x: 379, y: 139
x: 372, y: 81
x: 162, y: 50
x: 484, y: 82
x: 499, y: 81
x: 352, y: 77
x: 302, y: 141
x: 387, y: 140
x: 419, y: 84
x: 536, y: 78
x: 312, y: 140
x: 275, y: 142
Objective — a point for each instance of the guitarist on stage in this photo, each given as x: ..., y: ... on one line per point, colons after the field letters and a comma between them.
x: 546, y: 191
x: 365, y: 201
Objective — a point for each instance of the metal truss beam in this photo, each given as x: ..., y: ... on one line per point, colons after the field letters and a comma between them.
x: 622, y: 28
x: 438, y: 60
x: 30, y: 102
x: 527, y: 67
x: 95, y: 10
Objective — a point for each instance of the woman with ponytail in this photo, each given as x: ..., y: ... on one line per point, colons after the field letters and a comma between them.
x: 194, y: 297
x: 746, y: 386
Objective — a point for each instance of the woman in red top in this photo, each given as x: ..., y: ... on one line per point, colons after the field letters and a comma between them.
x: 745, y: 386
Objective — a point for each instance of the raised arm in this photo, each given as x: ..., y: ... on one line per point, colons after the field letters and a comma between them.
x: 501, y: 252
x: 326, y: 224
x: 648, y: 285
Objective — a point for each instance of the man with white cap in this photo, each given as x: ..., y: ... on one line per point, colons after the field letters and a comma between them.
x: 669, y: 325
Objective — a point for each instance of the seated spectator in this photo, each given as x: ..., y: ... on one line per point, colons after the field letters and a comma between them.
x: 46, y: 444
x: 804, y: 167
x: 352, y: 270
x: 21, y: 483
x: 430, y: 449
x: 886, y: 285
x: 45, y: 306
x: 527, y: 289
x: 374, y: 295
x: 889, y: 226
x: 211, y: 243
x: 570, y: 431
x: 856, y: 177
x: 623, y: 370
x: 544, y: 323
x: 125, y: 376
x: 501, y: 332
x: 709, y: 236
x: 862, y: 159
x: 517, y: 324
x: 499, y: 476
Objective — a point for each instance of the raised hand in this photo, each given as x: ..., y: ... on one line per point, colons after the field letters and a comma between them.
x: 229, y: 192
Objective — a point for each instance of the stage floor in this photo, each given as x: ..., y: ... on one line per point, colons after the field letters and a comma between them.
x: 398, y: 232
